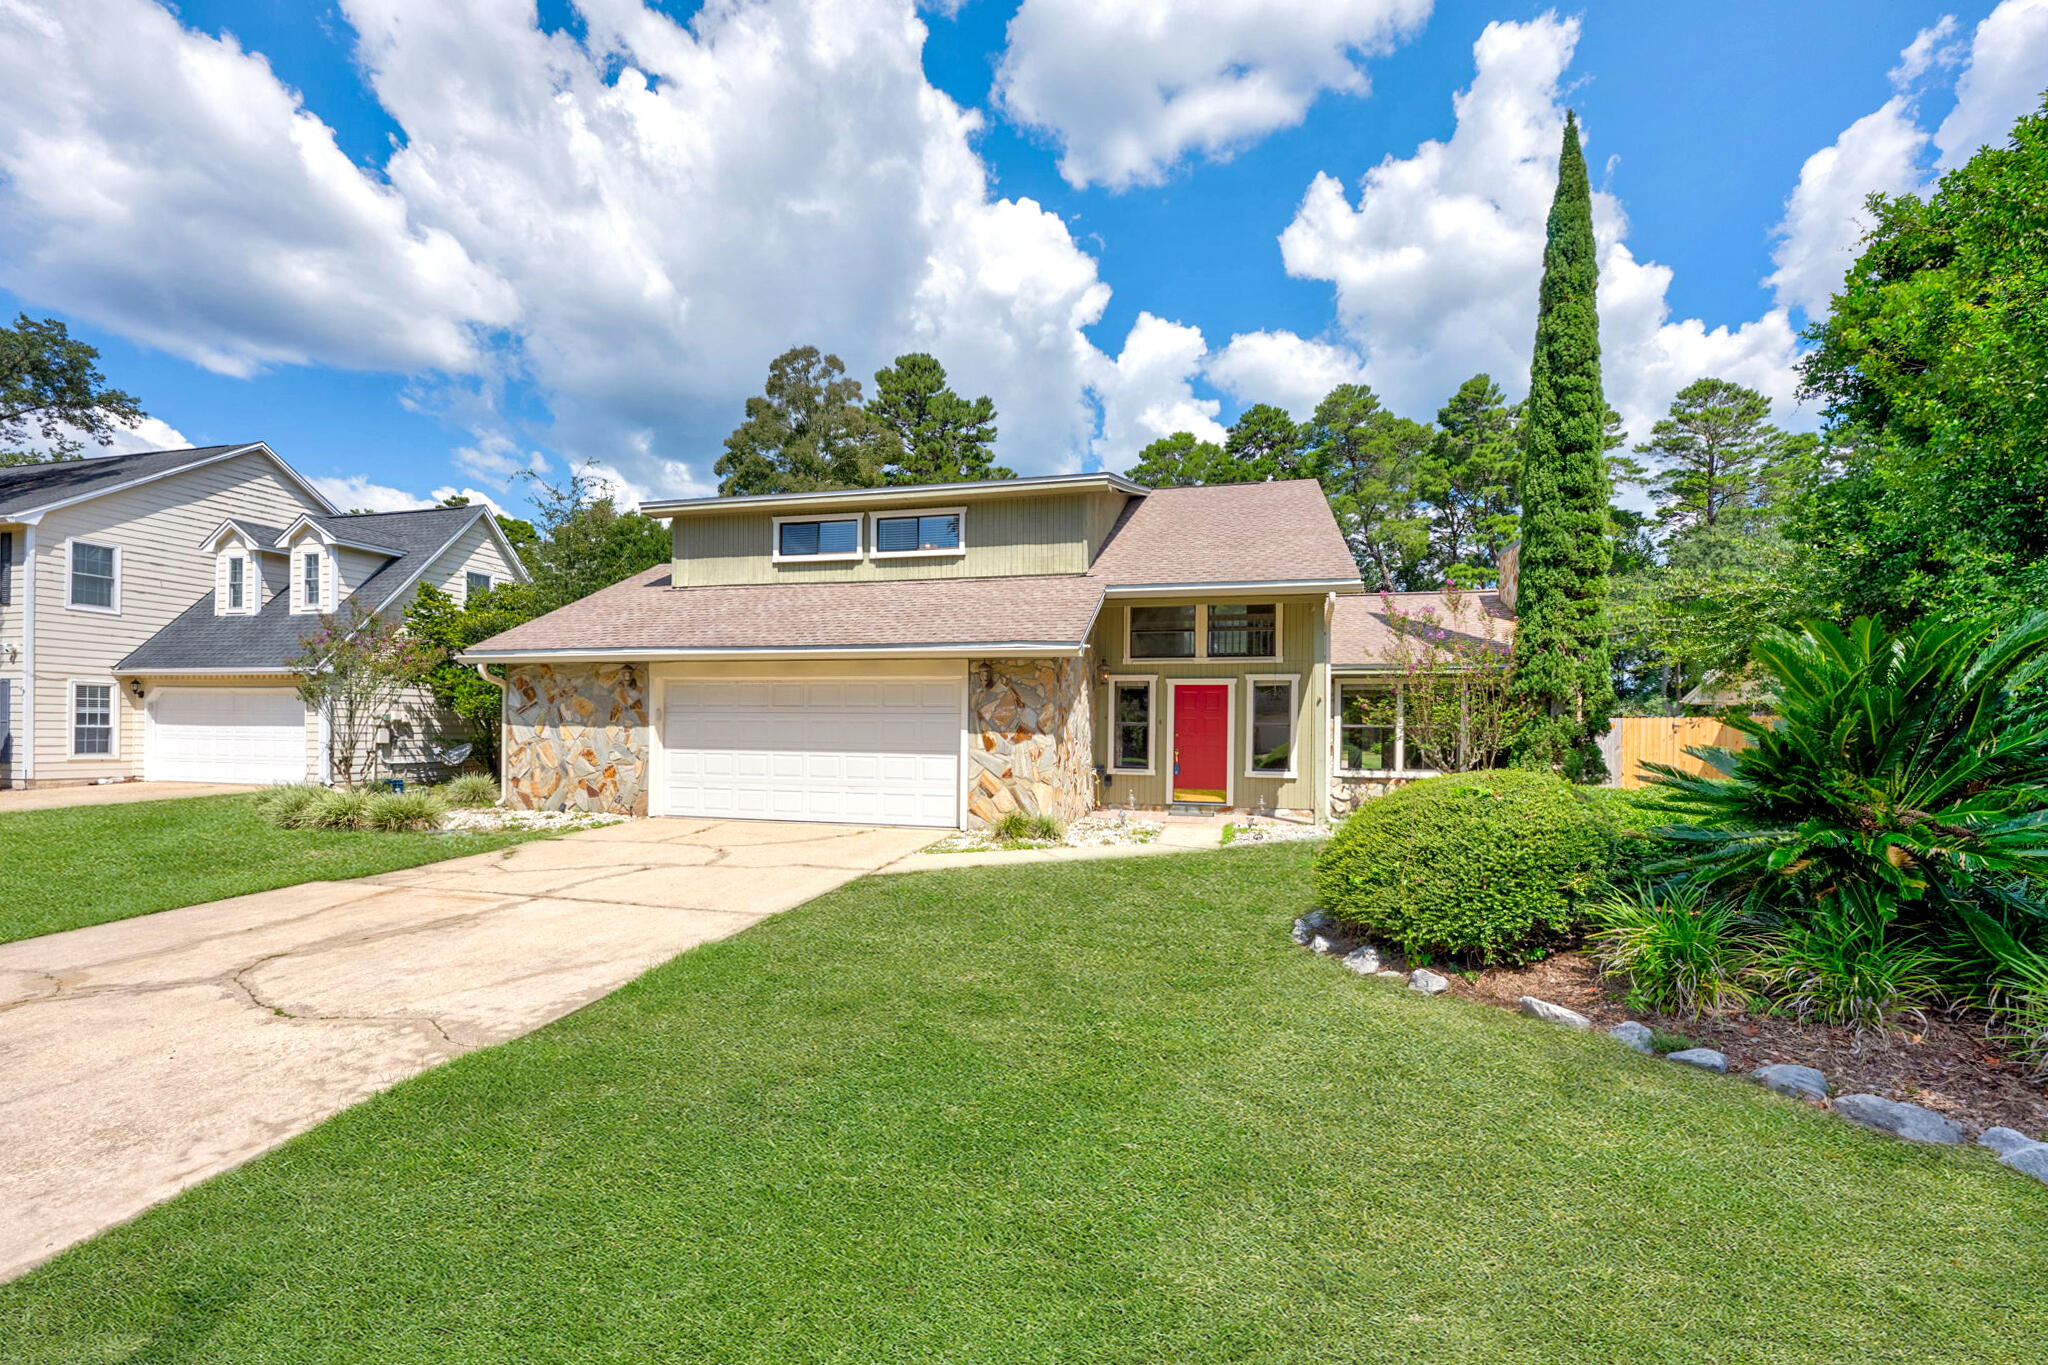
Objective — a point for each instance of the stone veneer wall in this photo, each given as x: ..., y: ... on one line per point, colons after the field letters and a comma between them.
x: 1347, y: 794
x: 576, y: 738
x: 1033, y: 743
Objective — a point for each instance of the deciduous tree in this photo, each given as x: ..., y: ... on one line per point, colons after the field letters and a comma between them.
x: 807, y: 431
x: 52, y: 393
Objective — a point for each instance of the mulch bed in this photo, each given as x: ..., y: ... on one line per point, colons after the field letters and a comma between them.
x: 1945, y: 1062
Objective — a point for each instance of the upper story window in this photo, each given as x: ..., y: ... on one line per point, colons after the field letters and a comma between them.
x: 474, y: 583
x: 817, y: 538
x: 1162, y: 633
x: 1226, y: 631
x: 95, y: 577
x: 920, y: 533
x: 312, y: 588
x: 238, y: 582
x: 1239, y: 631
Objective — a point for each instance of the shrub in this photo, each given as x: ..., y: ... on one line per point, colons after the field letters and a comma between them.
x: 1490, y: 865
x: 1846, y: 961
x: 1912, y: 766
x: 1017, y: 827
x: 404, y: 810
x: 1681, y: 951
x: 281, y: 805
x: 471, y: 789
x: 342, y: 809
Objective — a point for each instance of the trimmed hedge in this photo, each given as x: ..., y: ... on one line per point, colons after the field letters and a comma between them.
x: 1489, y: 865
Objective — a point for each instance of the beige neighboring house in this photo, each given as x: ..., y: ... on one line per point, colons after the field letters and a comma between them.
x: 942, y: 655
x: 150, y: 605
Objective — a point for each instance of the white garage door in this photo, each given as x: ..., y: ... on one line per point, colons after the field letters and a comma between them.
x: 859, y: 751
x: 225, y: 734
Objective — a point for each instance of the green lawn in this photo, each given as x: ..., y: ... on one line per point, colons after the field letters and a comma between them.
x: 1082, y: 1112
x: 64, y: 869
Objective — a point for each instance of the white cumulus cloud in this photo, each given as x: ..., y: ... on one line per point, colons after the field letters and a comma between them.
x: 1436, y: 263
x: 1148, y: 390
x: 1291, y: 371
x: 2005, y: 79
x: 1129, y: 88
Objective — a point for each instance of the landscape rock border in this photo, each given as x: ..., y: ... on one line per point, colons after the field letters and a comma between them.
x: 1896, y: 1118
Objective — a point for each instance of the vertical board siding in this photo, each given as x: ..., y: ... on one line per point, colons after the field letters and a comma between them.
x: 1636, y: 740
x: 159, y: 528
x: 1006, y: 538
x: 1304, y: 654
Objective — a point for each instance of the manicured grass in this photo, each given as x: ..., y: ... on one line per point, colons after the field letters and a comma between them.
x: 67, y: 868
x: 1082, y: 1112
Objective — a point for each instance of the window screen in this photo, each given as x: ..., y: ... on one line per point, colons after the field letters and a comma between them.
x: 92, y: 575
x: 1244, y: 632
x: 902, y: 535
x: 1162, y: 632
x: 818, y: 538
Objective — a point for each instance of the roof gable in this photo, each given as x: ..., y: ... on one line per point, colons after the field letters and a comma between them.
x: 1257, y: 534
x: 28, y: 491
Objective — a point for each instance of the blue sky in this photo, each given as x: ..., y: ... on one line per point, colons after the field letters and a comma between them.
x: 580, y: 234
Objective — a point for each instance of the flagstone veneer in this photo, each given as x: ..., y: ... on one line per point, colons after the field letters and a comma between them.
x: 1032, y: 746
x: 576, y: 737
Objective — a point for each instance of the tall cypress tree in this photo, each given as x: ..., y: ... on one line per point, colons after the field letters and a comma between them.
x: 1562, y: 668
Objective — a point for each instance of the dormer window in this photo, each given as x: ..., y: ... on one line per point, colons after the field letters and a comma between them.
x: 920, y: 533
x: 309, y: 580
x: 816, y: 538
x: 238, y: 583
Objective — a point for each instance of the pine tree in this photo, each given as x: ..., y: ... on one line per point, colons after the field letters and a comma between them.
x: 940, y: 436
x: 1561, y: 648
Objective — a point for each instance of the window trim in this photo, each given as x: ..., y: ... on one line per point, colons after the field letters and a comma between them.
x: 1400, y: 740
x: 1151, y: 685
x: 236, y: 559
x: 71, y: 577
x: 71, y: 717
x: 1251, y: 687
x: 860, y: 539
x: 875, y: 520
x: 330, y: 576
x: 1202, y: 654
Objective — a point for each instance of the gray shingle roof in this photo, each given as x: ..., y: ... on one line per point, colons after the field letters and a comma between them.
x: 26, y: 487
x: 198, y: 639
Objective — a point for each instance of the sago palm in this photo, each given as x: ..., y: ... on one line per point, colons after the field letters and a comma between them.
x: 1914, y: 766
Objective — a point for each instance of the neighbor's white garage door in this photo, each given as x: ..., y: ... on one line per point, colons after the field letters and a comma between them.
x: 871, y: 752
x: 225, y: 734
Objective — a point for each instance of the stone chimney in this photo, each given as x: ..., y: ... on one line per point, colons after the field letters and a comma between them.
x: 1508, y: 571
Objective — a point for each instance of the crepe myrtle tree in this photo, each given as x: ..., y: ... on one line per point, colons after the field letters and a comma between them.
x: 355, y: 670
x: 1459, y: 712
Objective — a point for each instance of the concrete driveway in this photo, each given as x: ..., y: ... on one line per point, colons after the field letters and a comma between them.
x: 140, y: 1057
x: 108, y: 794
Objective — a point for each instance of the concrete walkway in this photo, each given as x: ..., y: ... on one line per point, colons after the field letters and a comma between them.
x: 108, y: 794
x: 140, y: 1057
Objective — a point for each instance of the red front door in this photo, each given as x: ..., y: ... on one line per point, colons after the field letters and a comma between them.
x: 1201, y: 742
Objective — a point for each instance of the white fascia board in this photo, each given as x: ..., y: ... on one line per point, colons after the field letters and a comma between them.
x: 214, y: 672
x: 922, y: 492
x: 981, y: 649
x: 1343, y: 587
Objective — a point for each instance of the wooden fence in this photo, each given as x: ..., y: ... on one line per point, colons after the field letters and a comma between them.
x: 1635, y: 740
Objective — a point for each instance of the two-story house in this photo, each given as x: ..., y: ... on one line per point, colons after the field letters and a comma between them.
x: 151, y: 605
x: 941, y: 655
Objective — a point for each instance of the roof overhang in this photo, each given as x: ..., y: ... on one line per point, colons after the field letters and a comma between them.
x: 213, y: 539
x: 121, y: 671
x: 304, y: 522
x: 957, y: 650
x: 29, y: 516
x: 896, y: 495
x: 1343, y: 587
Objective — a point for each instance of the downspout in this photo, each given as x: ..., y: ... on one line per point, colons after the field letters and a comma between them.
x: 504, y: 745
x: 28, y: 655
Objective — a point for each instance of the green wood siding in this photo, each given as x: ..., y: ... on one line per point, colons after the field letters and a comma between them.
x: 1006, y: 538
x: 1304, y: 654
